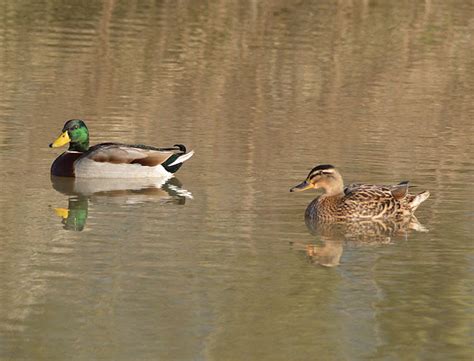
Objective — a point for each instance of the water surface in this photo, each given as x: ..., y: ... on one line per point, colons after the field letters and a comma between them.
x: 218, y: 264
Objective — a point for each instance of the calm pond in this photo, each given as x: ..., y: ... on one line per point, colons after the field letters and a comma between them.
x: 218, y: 264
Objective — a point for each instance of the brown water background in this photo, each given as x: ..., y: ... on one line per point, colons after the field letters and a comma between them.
x: 262, y: 91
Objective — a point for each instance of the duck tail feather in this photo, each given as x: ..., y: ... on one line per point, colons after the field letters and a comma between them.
x: 419, y: 198
x: 182, y: 158
x: 181, y: 147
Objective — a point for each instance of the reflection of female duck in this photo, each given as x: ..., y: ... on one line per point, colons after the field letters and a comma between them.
x: 112, y: 160
x: 334, y: 235
x: 357, y: 201
x: 364, y: 231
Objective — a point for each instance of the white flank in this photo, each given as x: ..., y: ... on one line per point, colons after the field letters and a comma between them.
x: 86, y: 168
x: 182, y: 158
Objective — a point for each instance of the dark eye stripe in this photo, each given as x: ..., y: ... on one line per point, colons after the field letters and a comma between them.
x: 320, y: 173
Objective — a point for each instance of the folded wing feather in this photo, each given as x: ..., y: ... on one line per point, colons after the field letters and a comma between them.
x: 124, y: 154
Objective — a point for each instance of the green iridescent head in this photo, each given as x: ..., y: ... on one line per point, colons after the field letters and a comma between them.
x: 75, y: 133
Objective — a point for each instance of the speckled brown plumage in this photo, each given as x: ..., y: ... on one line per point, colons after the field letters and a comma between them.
x: 357, y: 201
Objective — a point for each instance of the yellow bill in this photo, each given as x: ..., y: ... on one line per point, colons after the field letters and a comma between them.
x: 62, y: 212
x: 62, y: 139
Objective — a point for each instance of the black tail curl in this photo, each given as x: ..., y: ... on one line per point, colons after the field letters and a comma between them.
x: 181, y: 147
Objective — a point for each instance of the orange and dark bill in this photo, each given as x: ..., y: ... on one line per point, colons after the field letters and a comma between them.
x: 301, y: 187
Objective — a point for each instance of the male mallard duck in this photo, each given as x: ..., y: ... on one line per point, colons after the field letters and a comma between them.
x: 356, y: 201
x: 112, y: 160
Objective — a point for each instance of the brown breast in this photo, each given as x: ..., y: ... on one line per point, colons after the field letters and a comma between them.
x: 63, y: 166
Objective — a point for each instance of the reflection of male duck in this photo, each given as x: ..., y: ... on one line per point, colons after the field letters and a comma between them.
x: 75, y: 215
x: 335, y: 235
x: 124, y: 192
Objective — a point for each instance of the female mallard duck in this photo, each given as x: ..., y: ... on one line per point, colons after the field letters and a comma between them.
x: 112, y: 160
x: 356, y: 201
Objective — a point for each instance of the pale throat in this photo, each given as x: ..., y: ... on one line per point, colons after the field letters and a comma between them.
x: 333, y: 188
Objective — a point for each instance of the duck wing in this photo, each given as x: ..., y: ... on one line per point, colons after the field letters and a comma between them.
x: 368, y: 201
x: 366, y: 192
x: 373, y: 191
x: 148, y: 156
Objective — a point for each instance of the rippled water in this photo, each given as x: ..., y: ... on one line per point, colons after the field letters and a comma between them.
x: 218, y: 264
